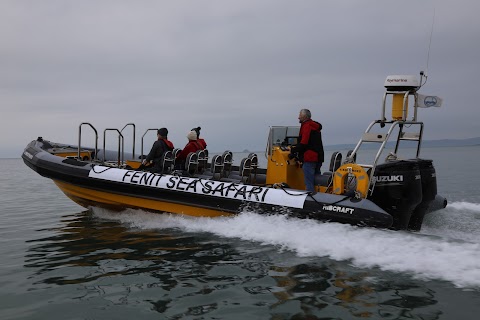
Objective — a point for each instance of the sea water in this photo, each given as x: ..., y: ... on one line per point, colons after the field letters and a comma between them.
x: 61, y: 261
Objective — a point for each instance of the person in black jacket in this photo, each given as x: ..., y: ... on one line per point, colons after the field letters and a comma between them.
x: 162, y: 145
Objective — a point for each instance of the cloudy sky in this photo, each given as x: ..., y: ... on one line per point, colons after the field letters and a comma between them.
x: 232, y: 67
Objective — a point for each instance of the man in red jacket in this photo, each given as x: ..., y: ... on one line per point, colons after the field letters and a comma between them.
x: 309, y: 148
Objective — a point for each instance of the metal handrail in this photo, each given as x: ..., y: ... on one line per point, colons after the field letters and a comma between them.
x: 80, y: 139
x: 120, y: 158
x: 406, y: 94
x: 399, y: 123
x: 133, y: 125
x: 141, y: 155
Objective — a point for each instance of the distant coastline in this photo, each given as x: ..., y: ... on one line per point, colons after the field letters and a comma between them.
x: 334, y: 147
x: 406, y: 144
x: 425, y: 144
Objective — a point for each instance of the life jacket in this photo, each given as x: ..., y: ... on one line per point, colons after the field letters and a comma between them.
x: 192, y: 146
x: 313, y: 149
x: 315, y: 141
x: 198, y: 144
x: 168, y: 144
x: 202, y: 142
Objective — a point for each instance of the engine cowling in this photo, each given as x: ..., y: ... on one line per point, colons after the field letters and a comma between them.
x: 398, y: 190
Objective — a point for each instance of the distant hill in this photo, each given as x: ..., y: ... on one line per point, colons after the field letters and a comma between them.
x: 425, y: 144
x: 452, y: 142
x: 404, y: 144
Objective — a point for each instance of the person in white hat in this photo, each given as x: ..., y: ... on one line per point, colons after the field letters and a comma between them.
x: 200, y: 140
x: 191, y: 146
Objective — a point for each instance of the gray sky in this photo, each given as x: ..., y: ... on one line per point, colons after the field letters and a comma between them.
x: 232, y: 67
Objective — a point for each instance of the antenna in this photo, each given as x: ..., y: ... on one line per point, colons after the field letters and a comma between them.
x: 425, y: 74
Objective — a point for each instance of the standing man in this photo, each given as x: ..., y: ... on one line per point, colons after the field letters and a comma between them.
x: 309, y: 148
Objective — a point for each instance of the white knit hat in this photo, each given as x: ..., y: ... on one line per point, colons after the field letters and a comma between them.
x: 192, y: 135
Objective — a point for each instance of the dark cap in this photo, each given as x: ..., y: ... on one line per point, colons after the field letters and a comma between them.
x: 163, y: 132
x: 197, y: 130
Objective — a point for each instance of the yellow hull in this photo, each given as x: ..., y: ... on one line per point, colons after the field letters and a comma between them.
x: 86, y: 197
x: 134, y: 164
x: 84, y: 155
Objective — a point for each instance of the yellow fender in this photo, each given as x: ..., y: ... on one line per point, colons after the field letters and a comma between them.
x: 360, y: 174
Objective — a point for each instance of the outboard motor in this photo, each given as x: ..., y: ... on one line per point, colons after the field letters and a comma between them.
x: 429, y: 191
x: 398, y: 190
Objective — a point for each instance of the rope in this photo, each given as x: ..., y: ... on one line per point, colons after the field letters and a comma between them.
x: 93, y: 169
x: 344, y: 198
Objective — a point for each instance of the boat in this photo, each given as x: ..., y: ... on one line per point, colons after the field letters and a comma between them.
x: 396, y: 193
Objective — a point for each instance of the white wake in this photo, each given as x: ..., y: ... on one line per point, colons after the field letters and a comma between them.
x: 422, y: 255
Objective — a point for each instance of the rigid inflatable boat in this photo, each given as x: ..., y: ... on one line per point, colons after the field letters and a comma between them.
x: 396, y: 193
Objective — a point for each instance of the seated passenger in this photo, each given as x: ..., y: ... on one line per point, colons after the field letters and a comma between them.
x: 191, y: 146
x: 200, y: 140
x: 162, y: 145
